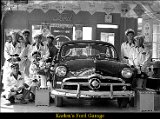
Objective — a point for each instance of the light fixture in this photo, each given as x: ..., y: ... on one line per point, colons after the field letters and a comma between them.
x: 107, y: 26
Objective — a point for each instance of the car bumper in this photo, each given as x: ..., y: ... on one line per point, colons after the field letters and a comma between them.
x: 92, y: 94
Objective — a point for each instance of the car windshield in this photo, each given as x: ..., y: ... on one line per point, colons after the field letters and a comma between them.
x: 83, y: 50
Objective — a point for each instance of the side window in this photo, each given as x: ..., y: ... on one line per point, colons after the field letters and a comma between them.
x: 108, y: 53
x: 113, y: 52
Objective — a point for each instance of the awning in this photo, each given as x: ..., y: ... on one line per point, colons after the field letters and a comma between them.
x: 126, y: 8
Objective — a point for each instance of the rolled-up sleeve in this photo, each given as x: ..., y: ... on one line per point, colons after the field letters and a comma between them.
x: 122, y: 51
x: 45, y: 52
x: 6, y: 51
x: 8, y: 84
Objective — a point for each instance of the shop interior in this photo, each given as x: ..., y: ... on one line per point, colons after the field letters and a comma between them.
x: 84, y: 20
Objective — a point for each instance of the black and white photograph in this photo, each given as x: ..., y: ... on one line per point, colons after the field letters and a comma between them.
x: 80, y: 58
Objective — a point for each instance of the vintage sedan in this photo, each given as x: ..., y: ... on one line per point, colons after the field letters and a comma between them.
x: 91, y: 69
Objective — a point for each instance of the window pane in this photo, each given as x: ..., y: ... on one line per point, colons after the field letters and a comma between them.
x: 87, y: 33
x: 156, y: 41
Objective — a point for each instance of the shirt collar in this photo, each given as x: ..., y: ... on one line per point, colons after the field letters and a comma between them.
x: 40, y: 44
x: 139, y: 47
x: 19, y: 73
x: 132, y: 44
x: 17, y: 44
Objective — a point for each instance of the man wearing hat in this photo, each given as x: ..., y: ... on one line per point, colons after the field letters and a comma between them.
x: 52, y: 49
x: 15, y: 85
x: 25, y: 61
x: 142, y: 56
x: 127, y: 47
x: 8, y: 38
x: 40, y: 47
x: 26, y: 34
x: 35, y: 63
x: 10, y: 49
x: 141, y: 53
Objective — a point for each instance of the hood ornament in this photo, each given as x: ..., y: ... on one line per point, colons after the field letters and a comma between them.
x: 94, y: 83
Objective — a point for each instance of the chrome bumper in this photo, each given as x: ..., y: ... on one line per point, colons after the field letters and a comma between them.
x: 92, y: 94
x: 78, y: 93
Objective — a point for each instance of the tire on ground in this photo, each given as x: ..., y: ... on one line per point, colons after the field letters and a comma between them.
x: 123, y: 102
x: 58, y: 101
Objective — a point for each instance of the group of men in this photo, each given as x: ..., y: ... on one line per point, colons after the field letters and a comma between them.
x: 17, y: 77
x: 20, y: 55
x: 136, y: 54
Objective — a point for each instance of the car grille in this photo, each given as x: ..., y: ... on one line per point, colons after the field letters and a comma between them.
x: 72, y: 84
x: 102, y: 88
x: 86, y: 80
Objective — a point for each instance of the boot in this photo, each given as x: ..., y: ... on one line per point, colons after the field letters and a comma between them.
x: 10, y: 101
x: 32, y: 97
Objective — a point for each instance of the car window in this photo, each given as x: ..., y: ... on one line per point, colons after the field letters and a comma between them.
x: 84, y: 49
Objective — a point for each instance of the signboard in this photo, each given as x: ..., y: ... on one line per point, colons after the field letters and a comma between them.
x: 63, y: 17
x: 138, y: 10
x: 147, y: 28
x: 146, y: 31
x: 108, y: 18
x: 108, y: 8
x: 125, y: 9
x: 62, y: 33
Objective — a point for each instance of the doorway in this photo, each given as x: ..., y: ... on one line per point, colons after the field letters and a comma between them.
x: 110, y: 35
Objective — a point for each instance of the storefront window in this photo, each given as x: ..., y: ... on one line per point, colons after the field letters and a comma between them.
x: 87, y: 33
x: 74, y: 34
x: 139, y: 25
x: 84, y: 34
x: 156, y: 42
x: 108, y: 37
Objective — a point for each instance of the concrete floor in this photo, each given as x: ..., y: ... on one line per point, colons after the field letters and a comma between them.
x: 70, y: 106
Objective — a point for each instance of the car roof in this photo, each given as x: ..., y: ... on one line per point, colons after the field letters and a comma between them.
x: 87, y: 41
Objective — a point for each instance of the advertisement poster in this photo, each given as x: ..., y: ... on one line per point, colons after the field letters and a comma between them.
x: 62, y: 33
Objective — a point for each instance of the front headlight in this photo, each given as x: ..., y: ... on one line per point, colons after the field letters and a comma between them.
x: 127, y: 73
x: 61, y: 71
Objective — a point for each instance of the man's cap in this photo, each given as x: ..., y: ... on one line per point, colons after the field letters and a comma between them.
x: 14, y: 65
x: 12, y: 33
x: 139, y: 37
x: 20, y: 34
x: 38, y: 35
x: 36, y: 53
x: 9, y: 34
x: 26, y: 31
x: 129, y: 31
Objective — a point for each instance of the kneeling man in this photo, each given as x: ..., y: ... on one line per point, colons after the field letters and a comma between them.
x: 15, y: 85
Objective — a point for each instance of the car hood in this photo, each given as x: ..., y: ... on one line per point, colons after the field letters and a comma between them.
x: 105, y: 67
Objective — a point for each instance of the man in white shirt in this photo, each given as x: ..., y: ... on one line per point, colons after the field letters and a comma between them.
x: 15, y: 85
x: 127, y: 47
x: 11, y: 49
x: 25, y: 63
x: 39, y: 46
x: 142, y: 56
x: 41, y: 51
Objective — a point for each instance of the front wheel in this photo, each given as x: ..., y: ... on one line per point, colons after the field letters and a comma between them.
x: 58, y: 101
x: 132, y: 102
x: 123, y: 102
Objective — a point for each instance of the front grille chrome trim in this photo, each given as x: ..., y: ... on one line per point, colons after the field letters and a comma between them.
x: 94, y: 75
x: 93, y: 94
